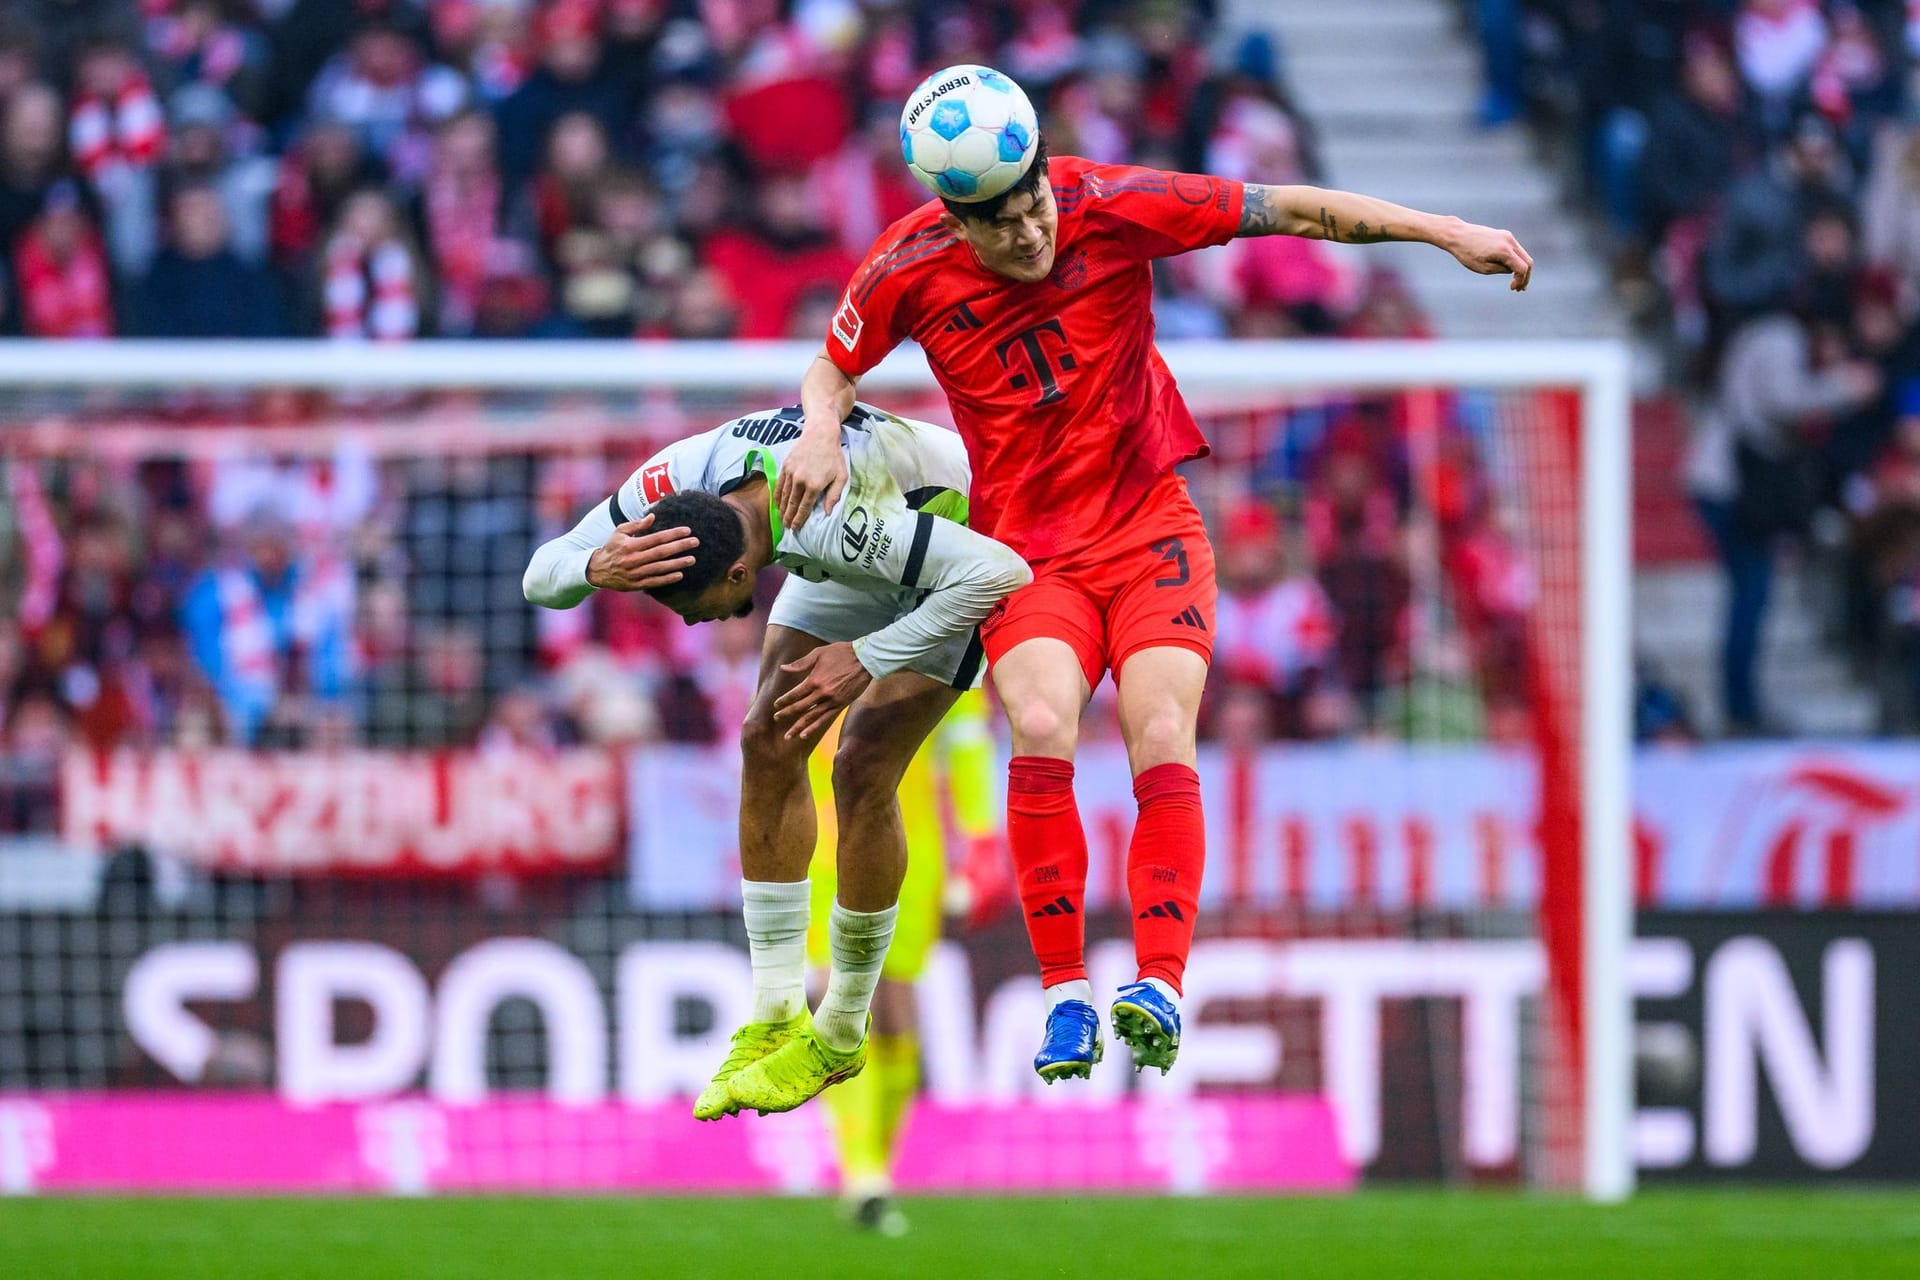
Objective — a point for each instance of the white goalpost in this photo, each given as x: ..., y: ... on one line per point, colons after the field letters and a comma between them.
x: 1552, y: 427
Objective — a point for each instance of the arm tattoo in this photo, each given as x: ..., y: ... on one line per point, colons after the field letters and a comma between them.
x: 1262, y: 214
x: 1258, y: 214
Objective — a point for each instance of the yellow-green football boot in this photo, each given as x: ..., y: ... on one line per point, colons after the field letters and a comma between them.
x: 796, y: 1072
x: 751, y: 1043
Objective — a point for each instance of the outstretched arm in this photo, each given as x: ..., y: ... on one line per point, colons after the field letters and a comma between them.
x: 1321, y: 214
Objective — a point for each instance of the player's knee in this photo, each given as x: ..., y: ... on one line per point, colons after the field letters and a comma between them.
x: 1040, y: 728
x: 765, y: 752
x: 1162, y: 736
x: 866, y: 770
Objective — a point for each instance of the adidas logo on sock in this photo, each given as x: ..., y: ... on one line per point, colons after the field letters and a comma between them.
x: 1189, y: 617
x: 1058, y: 907
x: 1163, y: 911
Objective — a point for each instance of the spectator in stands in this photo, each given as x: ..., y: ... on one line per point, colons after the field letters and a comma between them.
x: 703, y: 308
x: 1698, y: 140
x: 1353, y: 523
x: 786, y: 252
x: 373, y: 282
x: 64, y: 28
x: 316, y: 177
x: 214, y: 45
x: 37, y: 734
x: 382, y: 87
x: 460, y: 210
x: 199, y: 287
x: 201, y: 155
x: 1275, y: 629
x: 519, y: 723
x: 1778, y: 42
x: 1890, y: 208
x: 1749, y: 471
x: 60, y: 268
x: 31, y: 158
x: 486, y: 42
x: 1830, y: 264
x: 560, y: 197
x: 117, y: 135
x: 572, y: 78
x: 265, y: 623
x: 610, y: 265
x: 1754, y: 261
x: 1885, y: 562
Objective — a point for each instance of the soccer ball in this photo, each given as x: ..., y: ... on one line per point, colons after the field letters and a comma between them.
x: 968, y: 133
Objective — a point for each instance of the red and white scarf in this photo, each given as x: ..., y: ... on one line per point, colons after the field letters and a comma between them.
x: 124, y: 131
x: 369, y: 292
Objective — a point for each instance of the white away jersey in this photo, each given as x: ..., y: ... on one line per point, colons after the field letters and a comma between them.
x: 896, y: 467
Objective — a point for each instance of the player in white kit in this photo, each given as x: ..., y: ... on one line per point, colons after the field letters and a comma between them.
x: 878, y: 615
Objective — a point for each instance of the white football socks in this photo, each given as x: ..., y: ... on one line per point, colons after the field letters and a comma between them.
x: 858, y: 941
x: 1072, y: 989
x: 1164, y: 988
x: 776, y: 915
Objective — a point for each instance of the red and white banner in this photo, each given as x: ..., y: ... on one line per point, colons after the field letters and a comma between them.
x: 1327, y: 826
x: 1779, y: 825
x: 365, y: 812
x: 1330, y: 826
x: 1342, y: 827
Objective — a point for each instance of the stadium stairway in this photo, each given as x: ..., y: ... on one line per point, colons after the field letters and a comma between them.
x: 1393, y: 88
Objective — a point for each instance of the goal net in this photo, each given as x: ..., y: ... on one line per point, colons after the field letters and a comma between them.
x: 327, y: 863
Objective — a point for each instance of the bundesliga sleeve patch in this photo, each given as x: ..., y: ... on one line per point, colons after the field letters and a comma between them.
x: 847, y: 324
x: 655, y: 482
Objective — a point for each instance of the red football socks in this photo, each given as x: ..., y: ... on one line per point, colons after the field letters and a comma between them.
x: 1050, y: 859
x: 1164, y: 865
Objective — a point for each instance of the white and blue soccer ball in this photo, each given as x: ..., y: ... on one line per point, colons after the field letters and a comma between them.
x: 968, y: 133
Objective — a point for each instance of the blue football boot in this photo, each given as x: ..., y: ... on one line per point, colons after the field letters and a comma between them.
x: 1149, y: 1023
x: 1071, y: 1044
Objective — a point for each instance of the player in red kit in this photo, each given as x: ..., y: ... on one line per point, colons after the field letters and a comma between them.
x: 1035, y: 311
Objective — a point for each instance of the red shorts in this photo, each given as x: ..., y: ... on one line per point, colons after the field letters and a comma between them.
x: 1150, y: 585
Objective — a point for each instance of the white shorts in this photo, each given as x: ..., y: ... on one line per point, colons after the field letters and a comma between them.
x: 834, y: 611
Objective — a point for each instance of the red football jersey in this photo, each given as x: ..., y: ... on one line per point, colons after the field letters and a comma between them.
x: 1068, y: 413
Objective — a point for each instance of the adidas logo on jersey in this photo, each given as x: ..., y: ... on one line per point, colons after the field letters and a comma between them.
x: 962, y: 319
x: 1189, y: 617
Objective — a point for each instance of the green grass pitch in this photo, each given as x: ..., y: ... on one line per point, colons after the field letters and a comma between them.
x: 1736, y: 1234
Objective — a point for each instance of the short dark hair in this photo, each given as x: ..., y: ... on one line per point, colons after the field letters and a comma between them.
x: 723, y: 541
x: 1029, y: 185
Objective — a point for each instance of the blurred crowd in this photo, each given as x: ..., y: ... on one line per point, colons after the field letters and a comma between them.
x: 1758, y: 162
x: 336, y: 599
x: 391, y: 169
x: 388, y: 169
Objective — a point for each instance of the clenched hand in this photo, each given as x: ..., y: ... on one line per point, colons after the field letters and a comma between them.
x: 1489, y: 251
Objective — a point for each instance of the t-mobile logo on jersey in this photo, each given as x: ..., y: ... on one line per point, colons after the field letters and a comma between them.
x: 1029, y: 350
